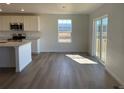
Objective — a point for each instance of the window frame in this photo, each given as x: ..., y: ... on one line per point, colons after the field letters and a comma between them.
x: 70, y: 32
x: 64, y: 19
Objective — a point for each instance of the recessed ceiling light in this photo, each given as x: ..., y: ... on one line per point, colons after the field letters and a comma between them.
x: 7, y: 3
x: 22, y: 9
x: 0, y: 10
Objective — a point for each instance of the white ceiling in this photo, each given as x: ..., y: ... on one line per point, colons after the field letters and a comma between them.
x: 50, y: 8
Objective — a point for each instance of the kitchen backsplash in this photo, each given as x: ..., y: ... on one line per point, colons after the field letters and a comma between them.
x: 29, y: 34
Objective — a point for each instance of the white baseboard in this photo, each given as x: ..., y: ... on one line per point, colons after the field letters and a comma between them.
x: 115, y: 76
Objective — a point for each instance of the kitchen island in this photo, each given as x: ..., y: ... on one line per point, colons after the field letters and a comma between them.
x: 15, y: 54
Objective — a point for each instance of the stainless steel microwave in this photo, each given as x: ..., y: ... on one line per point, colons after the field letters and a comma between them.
x: 16, y: 26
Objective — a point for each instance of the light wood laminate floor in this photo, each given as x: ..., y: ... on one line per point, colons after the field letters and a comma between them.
x: 59, y: 71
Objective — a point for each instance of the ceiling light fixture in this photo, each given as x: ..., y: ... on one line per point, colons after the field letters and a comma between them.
x: 22, y: 10
x: 8, y: 3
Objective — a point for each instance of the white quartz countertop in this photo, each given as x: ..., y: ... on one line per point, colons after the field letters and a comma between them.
x: 5, y: 43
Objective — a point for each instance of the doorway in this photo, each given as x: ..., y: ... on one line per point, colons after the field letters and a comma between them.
x: 100, y: 42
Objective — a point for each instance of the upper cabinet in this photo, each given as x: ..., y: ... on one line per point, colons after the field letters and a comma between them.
x: 16, y: 19
x: 31, y: 23
x: 1, y: 22
x: 4, y: 23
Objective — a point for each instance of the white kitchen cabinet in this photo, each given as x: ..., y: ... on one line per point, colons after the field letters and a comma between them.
x: 35, y: 46
x: 4, y: 22
x: 31, y: 23
x: 15, y: 54
x: 16, y: 19
x: 1, y: 22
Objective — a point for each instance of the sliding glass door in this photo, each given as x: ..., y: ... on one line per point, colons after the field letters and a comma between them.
x: 104, y: 38
x: 97, y: 37
x: 101, y: 38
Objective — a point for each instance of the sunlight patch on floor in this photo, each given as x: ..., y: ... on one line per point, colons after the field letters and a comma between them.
x: 80, y: 59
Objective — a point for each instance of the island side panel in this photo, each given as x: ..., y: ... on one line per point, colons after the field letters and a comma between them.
x: 7, y: 57
x: 23, y: 56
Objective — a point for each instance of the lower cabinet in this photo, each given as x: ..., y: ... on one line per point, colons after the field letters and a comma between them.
x: 35, y: 46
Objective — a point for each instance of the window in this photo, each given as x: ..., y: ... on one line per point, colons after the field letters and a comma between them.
x: 64, y: 30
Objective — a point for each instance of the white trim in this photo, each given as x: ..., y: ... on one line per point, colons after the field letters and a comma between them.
x: 106, y: 15
x: 93, y: 38
x: 64, y: 19
x: 114, y: 75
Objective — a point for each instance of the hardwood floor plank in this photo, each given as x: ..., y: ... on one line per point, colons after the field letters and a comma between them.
x: 58, y: 71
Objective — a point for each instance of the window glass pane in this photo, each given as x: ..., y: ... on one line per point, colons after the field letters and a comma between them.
x: 64, y: 30
x: 104, y: 38
x: 64, y: 25
x: 64, y: 37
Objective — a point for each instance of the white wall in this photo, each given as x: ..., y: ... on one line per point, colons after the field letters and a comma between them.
x: 115, y: 48
x: 49, y: 33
